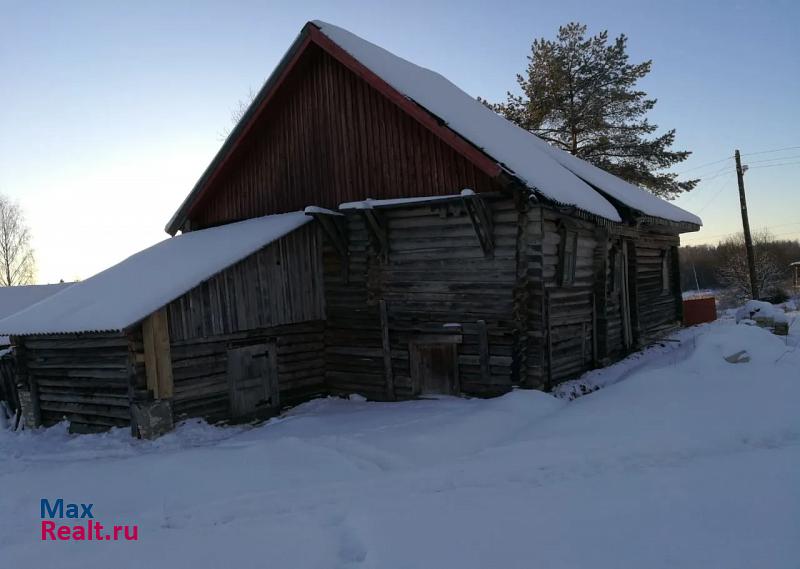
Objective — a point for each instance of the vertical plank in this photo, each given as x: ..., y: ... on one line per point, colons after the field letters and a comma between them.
x: 157, y: 358
x: 150, y: 364
x: 387, y: 352
x: 483, y: 351
x: 162, y: 354
x: 549, y: 332
x: 131, y: 369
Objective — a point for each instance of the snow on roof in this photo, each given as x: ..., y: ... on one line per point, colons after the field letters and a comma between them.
x: 369, y: 203
x: 619, y: 189
x: 141, y: 284
x: 16, y: 298
x: 556, y: 174
x: 312, y: 209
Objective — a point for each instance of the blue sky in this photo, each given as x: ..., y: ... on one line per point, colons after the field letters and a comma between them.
x: 109, y: 111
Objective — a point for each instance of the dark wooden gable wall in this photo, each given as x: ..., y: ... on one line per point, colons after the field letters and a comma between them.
x: 329, y: 137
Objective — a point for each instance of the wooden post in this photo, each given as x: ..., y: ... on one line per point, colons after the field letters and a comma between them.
x: 549, y: 342
x: 600, y: 297
x: 483, y: 352
x: 157, y: 358
x: 595, y: 358
x: 387, y: 352
x: 522, y: 293
x: 131, y: 368
x: 27, y: 388
x: 633, y: 279
x: 748, y: 239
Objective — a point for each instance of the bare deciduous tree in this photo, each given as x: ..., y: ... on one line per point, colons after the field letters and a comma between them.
x: 17, y: 263
x: 733, y: 271
x: 238, y: 112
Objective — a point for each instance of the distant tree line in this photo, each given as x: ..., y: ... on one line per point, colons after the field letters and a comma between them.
x: 724, y: 265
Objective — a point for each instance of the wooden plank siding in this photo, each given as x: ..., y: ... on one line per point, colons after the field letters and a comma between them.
x: 280, y: 284
x: 328, y: 137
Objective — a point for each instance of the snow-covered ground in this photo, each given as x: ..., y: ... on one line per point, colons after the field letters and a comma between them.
x: 681, y: 460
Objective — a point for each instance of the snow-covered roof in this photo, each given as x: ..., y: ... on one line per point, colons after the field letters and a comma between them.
x: 313, y: 209
x: 556, y: 174
x: 141, y: 284
x: 16, y: 298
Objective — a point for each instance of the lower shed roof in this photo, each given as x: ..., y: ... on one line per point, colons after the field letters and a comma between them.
x: 128, y: 292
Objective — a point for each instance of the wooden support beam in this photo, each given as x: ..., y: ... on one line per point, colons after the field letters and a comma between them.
x: 387, y: 352
x: 157, y: 358
x: 335, y: 228
x: 334, y: 225
x: 549, y: 340
x: 378, y: 230
x: 483, y: 352
x: 481, y: 218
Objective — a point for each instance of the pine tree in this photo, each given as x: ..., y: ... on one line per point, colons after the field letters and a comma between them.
x: 580, y: 95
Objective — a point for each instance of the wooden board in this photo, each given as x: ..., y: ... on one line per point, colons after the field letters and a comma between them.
x: 157, y: 359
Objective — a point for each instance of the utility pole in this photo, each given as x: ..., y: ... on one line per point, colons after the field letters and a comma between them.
x: 748, y: 239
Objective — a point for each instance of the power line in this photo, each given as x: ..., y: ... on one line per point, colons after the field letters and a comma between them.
x: 704, y: 165
x: 721, y: 184
x: 769, y: 151
x: 775, y: 165
x: 774, y: 159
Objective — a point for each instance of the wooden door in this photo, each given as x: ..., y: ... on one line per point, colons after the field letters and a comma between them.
x: 253, y: 381
x: 434, y: 368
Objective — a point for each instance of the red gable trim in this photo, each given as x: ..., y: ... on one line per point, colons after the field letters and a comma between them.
x: 311, y: 34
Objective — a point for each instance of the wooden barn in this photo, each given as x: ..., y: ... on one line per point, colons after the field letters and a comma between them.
x: 443, y: 250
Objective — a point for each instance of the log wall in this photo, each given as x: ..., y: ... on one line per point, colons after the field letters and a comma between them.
x: 199, y: 367
x: 561, y: 316
x: 88, y: 379
x: 434, y: 279
x: 657, y: 310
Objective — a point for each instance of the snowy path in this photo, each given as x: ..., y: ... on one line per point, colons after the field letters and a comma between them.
x: 688, y: 462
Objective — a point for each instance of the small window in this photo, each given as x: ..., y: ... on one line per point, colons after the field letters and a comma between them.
x: 568, y: 249
x: 665, y: 281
